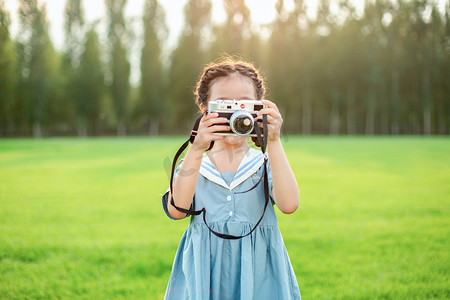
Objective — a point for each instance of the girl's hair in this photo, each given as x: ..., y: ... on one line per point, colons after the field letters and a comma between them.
x: 224, y: 68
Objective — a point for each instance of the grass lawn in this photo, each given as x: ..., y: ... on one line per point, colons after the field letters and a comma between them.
x: 82, y: 218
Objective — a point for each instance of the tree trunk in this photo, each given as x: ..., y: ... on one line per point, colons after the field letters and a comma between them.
x: 334, y: 113
x: 121, y: 129
x: 427, y: 126
x: 154, y: 127
x: 81, y: 129
x: 370, y: 114
x: 351, y: 116
x: 395, y: 89
x: 37, y: 130
x: 306, y: 112
x: 334, y: 120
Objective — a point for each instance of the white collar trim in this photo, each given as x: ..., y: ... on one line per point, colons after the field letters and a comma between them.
x: 250, y: 163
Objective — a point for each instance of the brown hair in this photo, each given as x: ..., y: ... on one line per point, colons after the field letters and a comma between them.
x: 224, y: 68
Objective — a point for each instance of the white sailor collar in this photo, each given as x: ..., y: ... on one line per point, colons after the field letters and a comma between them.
x: 250, y: 163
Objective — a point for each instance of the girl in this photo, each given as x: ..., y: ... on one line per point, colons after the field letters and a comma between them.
x: 256, y: 266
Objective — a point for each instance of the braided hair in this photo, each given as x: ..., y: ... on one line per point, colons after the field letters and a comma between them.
x: 214, y: 71
x: 227, y: 67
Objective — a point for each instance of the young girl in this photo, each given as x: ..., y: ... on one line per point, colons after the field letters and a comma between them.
x: 256, y: 266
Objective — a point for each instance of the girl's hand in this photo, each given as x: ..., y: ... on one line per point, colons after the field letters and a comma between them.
x: 274, y: 120
x: 206, y: 128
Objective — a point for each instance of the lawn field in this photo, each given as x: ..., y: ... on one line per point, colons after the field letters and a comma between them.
x: 82, y: 218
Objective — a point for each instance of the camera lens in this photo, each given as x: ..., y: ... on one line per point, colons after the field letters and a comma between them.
x: 241, y: 123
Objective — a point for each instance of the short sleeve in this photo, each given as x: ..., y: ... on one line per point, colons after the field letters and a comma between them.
x: 165, y: 197
x: 165, y: 201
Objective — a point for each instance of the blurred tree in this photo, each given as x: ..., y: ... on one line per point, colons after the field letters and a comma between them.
x: 430, y: 34
x: 394, y: 57
x: 332, y: 69
x: 441, y: 85
x: 21, y: 107
x: 36, y: 61
x: 303, y: 62
x: 151, y: 103
x: 232, y: 36
x: 340, y: 55
x: 7, y: 74
x: 421, y: 121
x: 74, y: 34
x: 119, y: 65
x: 282, y: 62
x: 351, y: 63
x: 90, y: 80
x: 187, y: 62
x: 374, y: 57
x: 74, y: 31
x: 120, y: 85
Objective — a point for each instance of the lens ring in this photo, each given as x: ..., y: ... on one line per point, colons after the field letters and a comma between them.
x: 241, y: 122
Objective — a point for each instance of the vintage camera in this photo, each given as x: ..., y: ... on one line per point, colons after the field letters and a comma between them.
x: 241, y: 115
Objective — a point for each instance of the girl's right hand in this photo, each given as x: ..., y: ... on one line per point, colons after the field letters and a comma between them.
x: 206, y: 129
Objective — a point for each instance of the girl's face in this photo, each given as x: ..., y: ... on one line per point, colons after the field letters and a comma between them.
x: 232, y: 87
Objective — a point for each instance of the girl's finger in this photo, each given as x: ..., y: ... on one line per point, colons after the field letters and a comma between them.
x: 208, y: 116
x: 267, y: 111
x: 270, y: 121
x: 216, y: 128
x: 214, y: 121
x: 270, y: 104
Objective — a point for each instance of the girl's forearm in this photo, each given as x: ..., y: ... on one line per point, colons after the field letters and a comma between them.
x: 285, y: 188
x: 185, y: 182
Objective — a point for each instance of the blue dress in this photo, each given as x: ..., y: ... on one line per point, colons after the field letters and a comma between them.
x: 254, y: 267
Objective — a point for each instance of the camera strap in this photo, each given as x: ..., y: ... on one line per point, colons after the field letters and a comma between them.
x: 263, y: 144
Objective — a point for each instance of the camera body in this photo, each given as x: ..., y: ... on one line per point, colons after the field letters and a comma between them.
x: 241, y: 115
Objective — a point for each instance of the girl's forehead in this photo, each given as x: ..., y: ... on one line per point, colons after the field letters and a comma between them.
x: 234, y: 86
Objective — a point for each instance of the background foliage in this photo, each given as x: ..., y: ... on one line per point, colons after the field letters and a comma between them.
x: 381, y: 71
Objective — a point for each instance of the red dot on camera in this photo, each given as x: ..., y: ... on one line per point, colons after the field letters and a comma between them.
x: 242, y: 105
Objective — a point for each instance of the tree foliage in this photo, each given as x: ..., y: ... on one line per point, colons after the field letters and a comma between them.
x: 74, y: 34
x: 151, y: 105
x: 38, y: 64
x: 331, y: 68
x: 7, y: 74
x: 90, y: 80
x: 119, y: 64
x: 187, y: 61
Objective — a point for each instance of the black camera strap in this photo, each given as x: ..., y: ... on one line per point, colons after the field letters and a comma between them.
x: 262, y: 142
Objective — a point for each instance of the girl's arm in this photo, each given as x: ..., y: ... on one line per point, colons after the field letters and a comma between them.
x: 185, y: 181
x: 285, y: 188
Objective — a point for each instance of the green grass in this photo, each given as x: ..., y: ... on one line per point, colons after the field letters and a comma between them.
x: 82, y: 219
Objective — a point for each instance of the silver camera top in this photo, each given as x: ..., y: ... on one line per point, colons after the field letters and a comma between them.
x: 252, y: 106
x: 241, y: 115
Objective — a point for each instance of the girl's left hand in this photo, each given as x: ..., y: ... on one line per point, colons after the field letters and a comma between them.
x: 274, y: 120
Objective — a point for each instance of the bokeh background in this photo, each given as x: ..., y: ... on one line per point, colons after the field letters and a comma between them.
x: 96, y: 97
x: 333, y: 67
